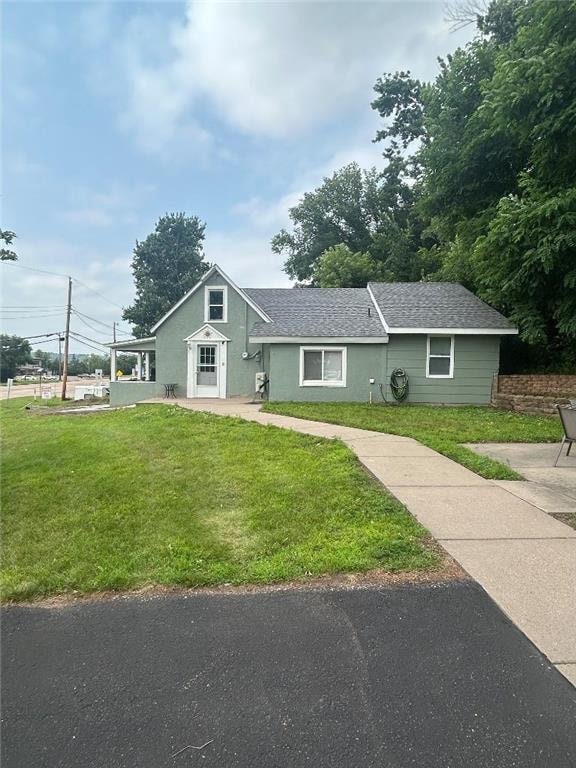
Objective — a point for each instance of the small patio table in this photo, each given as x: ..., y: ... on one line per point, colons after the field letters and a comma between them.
x: 169, y: 390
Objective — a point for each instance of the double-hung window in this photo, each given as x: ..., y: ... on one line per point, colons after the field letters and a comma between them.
x: 440, y: 357
x: 322, y: 366
x: 215, y: 309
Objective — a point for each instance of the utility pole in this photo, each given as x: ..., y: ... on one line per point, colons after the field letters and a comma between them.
x: 60, y: 340
x: 66, y: 339
x: 114, y: 329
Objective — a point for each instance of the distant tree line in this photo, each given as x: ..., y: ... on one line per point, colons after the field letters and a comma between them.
x: 16, y: 351
x: 81, y: 364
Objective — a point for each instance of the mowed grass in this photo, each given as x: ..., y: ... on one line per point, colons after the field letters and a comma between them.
x: 442, y: 428
x: 160, y: 495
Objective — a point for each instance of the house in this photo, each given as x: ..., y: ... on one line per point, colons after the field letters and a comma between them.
x: 319, y: 344
x: 30, y: 369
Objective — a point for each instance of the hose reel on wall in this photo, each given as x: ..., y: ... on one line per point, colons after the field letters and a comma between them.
x: 399, y: 384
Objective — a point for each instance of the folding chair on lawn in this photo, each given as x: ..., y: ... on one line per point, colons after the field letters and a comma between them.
x: 568, y: 419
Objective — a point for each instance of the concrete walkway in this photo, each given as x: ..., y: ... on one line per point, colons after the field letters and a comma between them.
x: 523, y: 558
x: 552, y: 489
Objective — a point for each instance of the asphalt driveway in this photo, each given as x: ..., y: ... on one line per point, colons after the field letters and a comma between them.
x: 416, y: 675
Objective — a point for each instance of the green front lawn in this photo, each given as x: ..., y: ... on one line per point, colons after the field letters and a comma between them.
x: 442, y: 428
x: 160, y: 495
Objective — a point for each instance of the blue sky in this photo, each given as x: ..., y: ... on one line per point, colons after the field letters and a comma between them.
x: 115, y: 113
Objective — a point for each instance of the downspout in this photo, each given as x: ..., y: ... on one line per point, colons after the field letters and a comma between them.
x: 386, y: 379
x: 246, y: 326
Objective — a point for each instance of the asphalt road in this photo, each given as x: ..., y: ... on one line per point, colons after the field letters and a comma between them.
x: 28, y: 390
x: 427, y: 676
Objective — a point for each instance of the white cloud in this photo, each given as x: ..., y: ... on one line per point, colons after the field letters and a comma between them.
x: 246, y: 254
x: 269, y: 216
x: 92, y: 217
x: 95, y: 23
x: 19, y: 164
x: 246, y: 258
x: 104, y: 209
x: 274, y: 69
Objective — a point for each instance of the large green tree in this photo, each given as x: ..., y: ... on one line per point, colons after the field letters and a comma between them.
x: 14, y: 352
x: 338, y: 267
x: 165, y: 266
x: 362, y: 210
x: 7, y: 237
x: 491, y: 148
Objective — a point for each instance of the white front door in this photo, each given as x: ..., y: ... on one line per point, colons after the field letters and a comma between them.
x: 207, y: 370
x: 207, y: 358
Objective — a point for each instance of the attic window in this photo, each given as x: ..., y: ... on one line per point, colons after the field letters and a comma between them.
x: 216, y: 309
x: 440, y: 357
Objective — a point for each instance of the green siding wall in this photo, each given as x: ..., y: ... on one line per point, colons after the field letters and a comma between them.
x: 365, y: 361
x: 475, y: 362
x: 476, y: 359
x: 127, y: 392
x: 172, y: 352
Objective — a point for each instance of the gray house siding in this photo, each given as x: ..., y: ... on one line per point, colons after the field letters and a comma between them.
x: 128, y: 392
x: 172, y: 352
x: 475, y: 362
x: 476, y: 359
x: 364, y: 362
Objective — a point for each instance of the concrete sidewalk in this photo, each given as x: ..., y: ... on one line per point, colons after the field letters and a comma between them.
x: 523, y: 558
x: 551, y: 488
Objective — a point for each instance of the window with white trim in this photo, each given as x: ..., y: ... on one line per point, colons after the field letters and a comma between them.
x: 215, y: 309
x: 440, y: 357
x: 322, y: 366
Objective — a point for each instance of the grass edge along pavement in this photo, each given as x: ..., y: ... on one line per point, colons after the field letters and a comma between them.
x: 157, y: 495
x: 442, y: 428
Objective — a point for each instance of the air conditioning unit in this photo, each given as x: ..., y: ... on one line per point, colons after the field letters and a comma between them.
x: 260, y: 381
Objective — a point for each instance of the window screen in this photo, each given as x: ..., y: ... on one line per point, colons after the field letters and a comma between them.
x: 323, y: 365
x: 440, y: 356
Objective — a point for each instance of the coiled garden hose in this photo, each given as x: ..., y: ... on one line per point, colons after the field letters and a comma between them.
x: 399, y: 384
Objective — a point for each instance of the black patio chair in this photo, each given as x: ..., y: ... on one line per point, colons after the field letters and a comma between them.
x: 170, y: 390
x: 568, y: 419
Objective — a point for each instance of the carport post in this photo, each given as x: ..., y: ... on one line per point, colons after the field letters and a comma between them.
x: 147, y: 366
x: 112, y: 364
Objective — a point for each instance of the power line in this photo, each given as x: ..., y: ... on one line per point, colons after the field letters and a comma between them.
x: 33, y: 306
x: 61, y: 274
x: 106, y: 334
x: 92, y: 328
x: 85, y: 343
x: 95, y: 319
x: 45, y: 341
x: 89, y: 317
x: 30, y: 317
x: 95, y: 341
x: 98, y: 294
x: 25, y: 312
x: 40, y: 336
x: 34, y: 269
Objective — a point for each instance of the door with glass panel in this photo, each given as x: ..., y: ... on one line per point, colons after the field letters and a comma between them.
x: 207, y: 370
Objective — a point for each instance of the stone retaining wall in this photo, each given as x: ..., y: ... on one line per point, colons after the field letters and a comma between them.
x: 537, y: 384
x: 533, y: 393
x: 528, y: 403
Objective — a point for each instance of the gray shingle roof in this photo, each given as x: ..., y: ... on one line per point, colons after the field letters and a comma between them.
x: 435, y: 305
x: 316, y: 312
x: 350, y: 312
